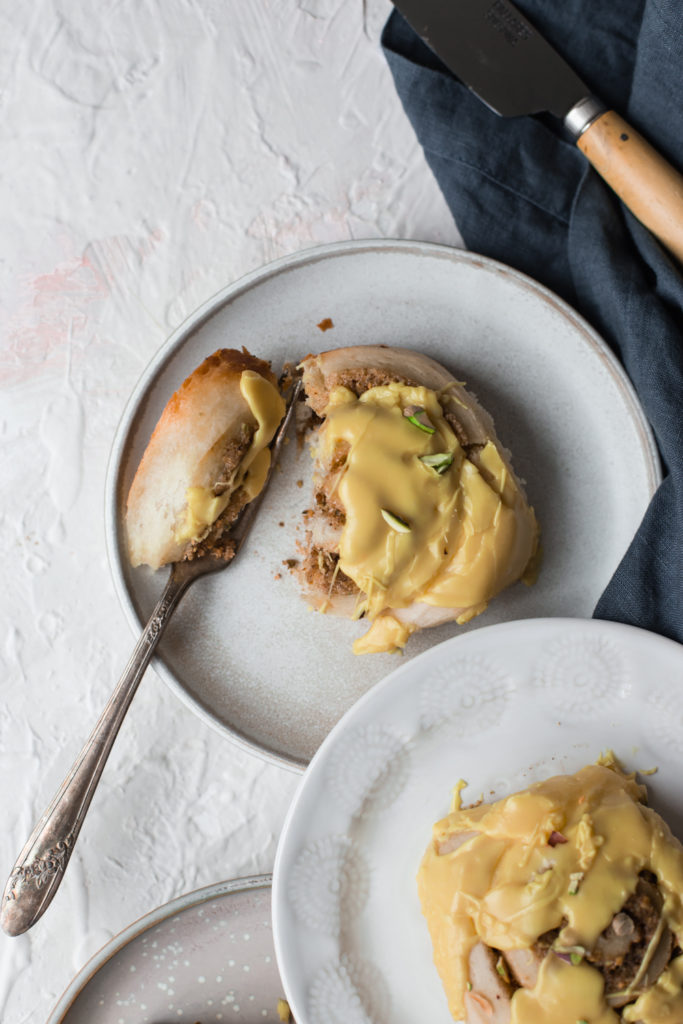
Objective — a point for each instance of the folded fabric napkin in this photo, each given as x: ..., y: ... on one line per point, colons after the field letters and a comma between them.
x: 521, y: 192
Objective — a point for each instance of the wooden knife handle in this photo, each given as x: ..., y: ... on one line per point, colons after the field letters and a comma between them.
x: 640, y: 176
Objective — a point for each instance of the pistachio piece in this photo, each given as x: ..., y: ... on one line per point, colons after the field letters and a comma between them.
x: 416, y: 415
x: 440, y: 461
x: 502, y: 969
x: 395, y: 522
x: 575, y: 880
x: 570, y: 954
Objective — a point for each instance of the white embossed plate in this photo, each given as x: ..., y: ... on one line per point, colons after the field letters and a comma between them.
x: 500, y: 707
x: 207, y: 956
x: 243, y: 650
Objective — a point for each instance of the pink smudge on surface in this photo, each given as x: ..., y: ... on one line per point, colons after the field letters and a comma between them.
x: 57, y: 312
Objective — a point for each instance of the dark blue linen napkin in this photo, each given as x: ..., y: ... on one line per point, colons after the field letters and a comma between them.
x: 521, y: 192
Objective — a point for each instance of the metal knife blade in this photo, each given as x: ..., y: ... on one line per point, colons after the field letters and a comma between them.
x: 497, y: 53
x: 500, y: 56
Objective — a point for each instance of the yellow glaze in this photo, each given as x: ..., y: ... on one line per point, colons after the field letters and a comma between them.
x: 203, y: 509
x: 386, y: 634
x: 470, y: 533
x: 570, y: 992
x: 506, y: 885
x: 203, y: 506
x: 283, y: 1011
x: 456, y: 795
x: 663, y: 1004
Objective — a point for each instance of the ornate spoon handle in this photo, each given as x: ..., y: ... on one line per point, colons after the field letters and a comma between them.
x: 39, y: 869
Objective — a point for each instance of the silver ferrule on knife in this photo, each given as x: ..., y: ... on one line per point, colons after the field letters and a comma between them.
x: 583, y: 114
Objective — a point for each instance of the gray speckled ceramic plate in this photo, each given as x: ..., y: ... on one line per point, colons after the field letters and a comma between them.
x: 243, y: 649
x: 205, y: 957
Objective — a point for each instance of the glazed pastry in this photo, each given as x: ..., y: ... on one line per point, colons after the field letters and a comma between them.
x: 417, y: 515
x: 208, y: 456
x: 558, y: 905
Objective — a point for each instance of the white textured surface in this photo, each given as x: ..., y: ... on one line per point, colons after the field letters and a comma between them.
x: 151, y: 153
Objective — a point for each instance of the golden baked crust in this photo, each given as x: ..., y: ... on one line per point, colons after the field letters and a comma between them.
x: 203, y: 433
x: 224, y: 366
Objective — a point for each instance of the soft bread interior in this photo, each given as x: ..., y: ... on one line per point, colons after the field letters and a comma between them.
x: 202, y: 435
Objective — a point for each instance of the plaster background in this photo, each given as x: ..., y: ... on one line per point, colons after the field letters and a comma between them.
x: 151, y: 153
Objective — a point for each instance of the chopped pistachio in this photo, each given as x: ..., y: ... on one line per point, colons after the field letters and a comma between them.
x: 440, y: 461
x: 501, y: 969
x: 416, y: 415
x: 575, y: 954
x: 394, y: 521
x: 582, y: 1021
x: 469, y: 986
x: 575, y: 880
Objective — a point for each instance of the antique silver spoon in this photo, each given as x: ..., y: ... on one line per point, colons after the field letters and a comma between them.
x: 40, y: 867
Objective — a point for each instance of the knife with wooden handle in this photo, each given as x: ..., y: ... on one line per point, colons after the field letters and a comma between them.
x: 500, y: 56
